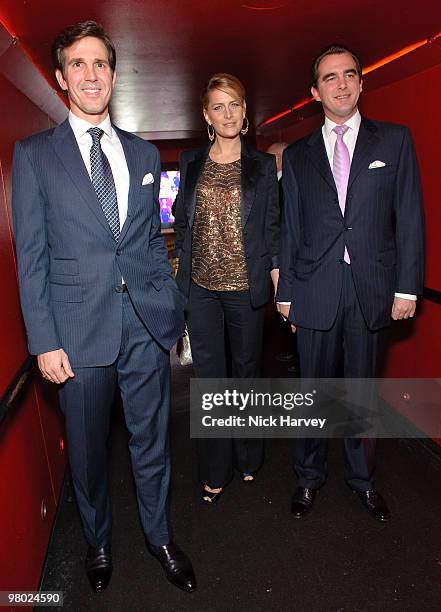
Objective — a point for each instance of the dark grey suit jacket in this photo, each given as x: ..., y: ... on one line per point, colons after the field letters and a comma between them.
x: 382, y: 227
x: 259, y: 215
x: 69, y: 264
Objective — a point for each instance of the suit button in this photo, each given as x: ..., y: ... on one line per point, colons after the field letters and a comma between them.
x: 119, y: 289
x: 118, y: 251
x: 341, y: 261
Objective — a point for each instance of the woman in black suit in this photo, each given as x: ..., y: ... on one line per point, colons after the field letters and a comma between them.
x: 227, y: 234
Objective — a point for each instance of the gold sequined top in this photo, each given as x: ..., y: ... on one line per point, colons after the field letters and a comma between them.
x: 218, y: 261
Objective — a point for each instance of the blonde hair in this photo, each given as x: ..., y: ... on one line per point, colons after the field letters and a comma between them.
x: 225, y: 82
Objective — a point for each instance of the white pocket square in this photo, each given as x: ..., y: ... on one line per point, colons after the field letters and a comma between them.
x: 376, y: 164
x: 148, y: 178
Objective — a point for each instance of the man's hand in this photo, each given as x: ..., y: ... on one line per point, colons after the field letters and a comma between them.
x: 403, y: 309
x: 283, y: 309
x: 54, y: 366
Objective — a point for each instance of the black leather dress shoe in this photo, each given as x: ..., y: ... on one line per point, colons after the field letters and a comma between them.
x: 176, y: 565
x: 99, y: 567
x: 374, y: 503
x: 302, y: 502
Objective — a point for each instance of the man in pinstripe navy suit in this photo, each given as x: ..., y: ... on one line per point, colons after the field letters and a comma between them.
x: 100, y: 306
x: 351, y: 255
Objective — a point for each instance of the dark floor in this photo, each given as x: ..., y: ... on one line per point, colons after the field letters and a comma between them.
x: 247, y: 550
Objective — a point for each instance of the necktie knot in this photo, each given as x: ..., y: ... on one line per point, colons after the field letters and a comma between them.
x: 96, y: 134
x: 340, y: 130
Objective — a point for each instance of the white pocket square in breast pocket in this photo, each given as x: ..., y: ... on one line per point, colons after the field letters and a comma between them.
x: 148, y: 178
x: 376, y: 164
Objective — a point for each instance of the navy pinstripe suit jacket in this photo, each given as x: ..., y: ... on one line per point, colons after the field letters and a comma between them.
x: 69, y: 265
x: 382, y: 227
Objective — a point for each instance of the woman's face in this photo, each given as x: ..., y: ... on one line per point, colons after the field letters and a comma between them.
x: 225, y: 112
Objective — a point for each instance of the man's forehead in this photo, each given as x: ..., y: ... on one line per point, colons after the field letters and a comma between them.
x: 88, y: 44
x: 336, y: 61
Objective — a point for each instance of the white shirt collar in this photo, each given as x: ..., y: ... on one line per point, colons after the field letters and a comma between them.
x: 80, y: 126
x: 353, y: 123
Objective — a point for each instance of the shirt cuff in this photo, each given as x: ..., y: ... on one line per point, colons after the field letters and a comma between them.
x: 284, y: 303
x: 406, y: 296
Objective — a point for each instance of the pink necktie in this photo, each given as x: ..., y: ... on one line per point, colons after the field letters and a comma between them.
x: 340, y: 168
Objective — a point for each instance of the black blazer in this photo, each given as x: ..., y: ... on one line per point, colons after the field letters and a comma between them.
x: 382, y: 226
x: 259, y: 215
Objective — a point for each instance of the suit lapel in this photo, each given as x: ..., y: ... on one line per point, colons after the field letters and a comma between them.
x: 136, y: 168
x: 318, y: 156
x: 249, y: 170
x: 366, y: 138
x: 68, y: 152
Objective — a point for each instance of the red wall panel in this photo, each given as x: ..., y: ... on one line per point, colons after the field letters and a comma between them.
x: 13, y: 351
x: 27, y: 503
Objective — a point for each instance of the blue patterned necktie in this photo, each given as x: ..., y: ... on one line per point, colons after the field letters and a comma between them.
x: 102, y: 181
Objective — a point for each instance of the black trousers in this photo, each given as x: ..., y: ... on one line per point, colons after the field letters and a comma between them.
x: 351, y: 345
x: 210, y: 314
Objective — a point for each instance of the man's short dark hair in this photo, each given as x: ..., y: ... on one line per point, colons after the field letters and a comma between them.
x: 71, y: 34
x: 333, y: 50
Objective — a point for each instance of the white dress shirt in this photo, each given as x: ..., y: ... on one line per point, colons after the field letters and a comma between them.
x: 112, y: 149
x: 350, y: 139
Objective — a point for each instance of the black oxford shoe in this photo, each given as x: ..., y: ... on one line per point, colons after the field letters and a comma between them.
x: 99, y: 567
x: 176, y: 565
x: 374, y: 503
x: 302, y: 502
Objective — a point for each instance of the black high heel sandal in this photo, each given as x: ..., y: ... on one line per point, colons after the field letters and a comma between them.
x: 209, y: 497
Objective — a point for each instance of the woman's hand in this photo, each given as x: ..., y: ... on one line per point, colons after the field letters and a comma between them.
x: 275, y: 278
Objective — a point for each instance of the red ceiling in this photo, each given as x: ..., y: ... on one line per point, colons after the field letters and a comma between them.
x: 167, y: 49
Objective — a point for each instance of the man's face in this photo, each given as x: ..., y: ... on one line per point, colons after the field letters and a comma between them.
x: 338, y: 86
x: 87, y: 78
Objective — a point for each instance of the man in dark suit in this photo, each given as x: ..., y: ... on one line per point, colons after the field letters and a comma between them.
x: 288, y: 357
x: 351, y: 254
x: 99, y: 304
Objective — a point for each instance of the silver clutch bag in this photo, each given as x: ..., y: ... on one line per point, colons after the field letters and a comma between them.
x: 183, y: 349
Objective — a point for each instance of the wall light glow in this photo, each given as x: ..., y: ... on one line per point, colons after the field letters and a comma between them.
x: 386, y: 60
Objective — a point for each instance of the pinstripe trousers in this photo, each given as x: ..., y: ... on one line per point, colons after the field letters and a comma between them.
x: 351, y: 345
x: 142, y: 373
